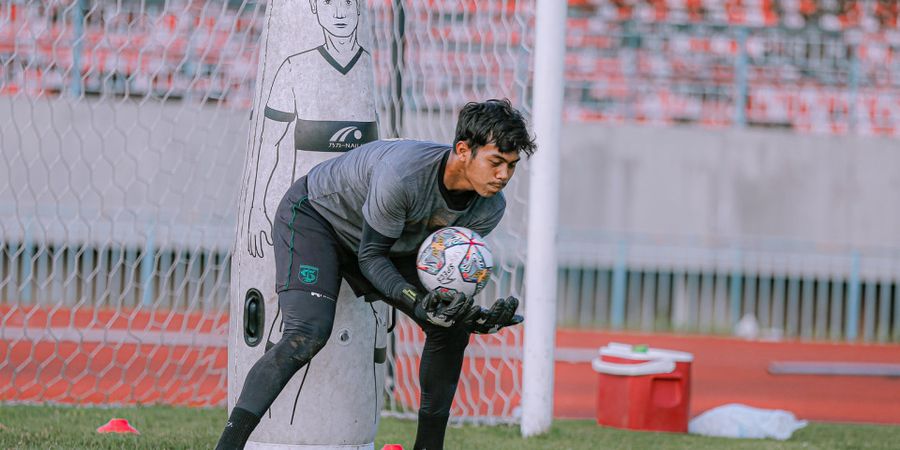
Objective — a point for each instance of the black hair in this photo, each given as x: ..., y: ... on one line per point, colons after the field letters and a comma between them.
x: 494, y: 121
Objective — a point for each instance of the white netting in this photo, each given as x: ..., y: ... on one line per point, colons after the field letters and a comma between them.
x: 445, y: 54
x: 123, y: 130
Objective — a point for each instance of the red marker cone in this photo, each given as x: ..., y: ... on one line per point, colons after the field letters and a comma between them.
x: 392, y: 447
x: 117, y: 426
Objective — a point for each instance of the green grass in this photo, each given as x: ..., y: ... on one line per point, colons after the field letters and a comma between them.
x: 46, y: 427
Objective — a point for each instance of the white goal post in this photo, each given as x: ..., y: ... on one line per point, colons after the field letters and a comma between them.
x: 543, y: 219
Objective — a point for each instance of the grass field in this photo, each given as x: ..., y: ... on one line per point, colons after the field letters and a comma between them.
x: 46, y: 427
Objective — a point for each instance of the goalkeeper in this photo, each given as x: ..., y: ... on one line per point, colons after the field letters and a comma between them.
x: 361, y: 217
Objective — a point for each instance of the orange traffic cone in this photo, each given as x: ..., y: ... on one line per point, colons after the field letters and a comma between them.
x: 117, y: 426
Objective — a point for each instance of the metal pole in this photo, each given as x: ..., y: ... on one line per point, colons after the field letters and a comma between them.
x: 27, y: 264
x: 740, y: 79
x: 737, y: 277
x: 853, y: 82
x: 541, y: 264
x: 853, y: 295
x: 148, y: 264
x: 398, y: 52
x: 620, y: 272
x: 76, y: 83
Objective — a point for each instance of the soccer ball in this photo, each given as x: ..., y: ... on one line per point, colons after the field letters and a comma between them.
x: 454, y: 259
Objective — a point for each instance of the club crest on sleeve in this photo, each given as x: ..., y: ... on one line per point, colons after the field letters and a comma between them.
x: 308, y: 274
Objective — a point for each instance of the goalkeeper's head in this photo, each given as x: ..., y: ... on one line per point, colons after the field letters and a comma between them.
x: 493, y: 121
x: 490, y: 136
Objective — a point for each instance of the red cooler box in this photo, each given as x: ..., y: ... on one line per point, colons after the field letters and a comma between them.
x: 643, y: 388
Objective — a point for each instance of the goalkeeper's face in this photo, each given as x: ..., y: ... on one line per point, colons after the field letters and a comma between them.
x: 339, y: 18
x: 489, y: 169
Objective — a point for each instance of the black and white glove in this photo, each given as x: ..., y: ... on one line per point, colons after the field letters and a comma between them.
x: 502, y: 314
x: 444, y: 310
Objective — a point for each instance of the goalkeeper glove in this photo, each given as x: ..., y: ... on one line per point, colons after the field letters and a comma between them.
x: 441, y: 309
x: 502, y: 314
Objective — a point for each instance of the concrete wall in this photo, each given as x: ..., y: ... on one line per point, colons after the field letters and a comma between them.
x: 119, y: 171
x: 757, y: 201
x: 825, y: 190
x: 115, y: 170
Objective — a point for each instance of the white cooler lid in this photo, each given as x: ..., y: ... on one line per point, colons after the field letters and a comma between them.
x: 658, y: 366
x: 627, y: 351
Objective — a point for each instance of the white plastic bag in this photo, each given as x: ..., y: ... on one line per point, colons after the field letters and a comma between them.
x: 741, y: 421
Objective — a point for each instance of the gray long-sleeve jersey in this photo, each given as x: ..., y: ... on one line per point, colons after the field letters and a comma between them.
x: 396, y: 187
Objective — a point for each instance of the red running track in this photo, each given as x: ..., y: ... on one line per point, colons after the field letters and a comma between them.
x: 729, y: 370
x: 100, y: 356
x: 725, y: 370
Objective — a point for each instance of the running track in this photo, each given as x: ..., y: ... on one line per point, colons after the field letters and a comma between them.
x: 44, y: 355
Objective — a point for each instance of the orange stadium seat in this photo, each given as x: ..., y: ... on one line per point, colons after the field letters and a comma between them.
x: 627, y: 60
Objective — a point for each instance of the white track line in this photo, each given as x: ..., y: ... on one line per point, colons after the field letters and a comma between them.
x: 214, y: 340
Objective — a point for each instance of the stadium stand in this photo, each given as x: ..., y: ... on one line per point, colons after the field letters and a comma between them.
x: 822, y: 66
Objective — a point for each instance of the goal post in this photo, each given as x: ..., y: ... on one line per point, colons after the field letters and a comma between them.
x: 543, y: 219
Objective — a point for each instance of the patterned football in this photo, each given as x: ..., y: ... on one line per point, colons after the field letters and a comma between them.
x: 454, y: 259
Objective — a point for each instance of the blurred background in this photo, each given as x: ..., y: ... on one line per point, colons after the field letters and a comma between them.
x: 729, y: 167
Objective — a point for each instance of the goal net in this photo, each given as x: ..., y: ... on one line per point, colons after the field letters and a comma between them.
x: 123, y: 134
x: 444, y: 53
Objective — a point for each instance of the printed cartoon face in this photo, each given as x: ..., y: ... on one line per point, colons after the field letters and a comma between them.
x: 338, y: 18
x: 490, y: 169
